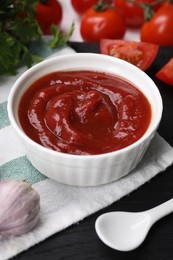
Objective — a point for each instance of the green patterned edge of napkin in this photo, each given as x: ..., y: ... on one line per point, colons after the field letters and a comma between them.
x: 20, y: 168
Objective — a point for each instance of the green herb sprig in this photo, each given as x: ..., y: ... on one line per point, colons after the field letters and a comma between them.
x: 18, y: 27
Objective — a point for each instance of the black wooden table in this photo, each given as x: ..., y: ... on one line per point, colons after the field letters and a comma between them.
x: 80, y: 240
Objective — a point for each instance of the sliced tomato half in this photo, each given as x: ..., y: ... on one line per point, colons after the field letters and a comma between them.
x: 141, y: 54
x: 165, y: 74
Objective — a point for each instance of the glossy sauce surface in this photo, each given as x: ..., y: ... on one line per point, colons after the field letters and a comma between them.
x: 84, y: 112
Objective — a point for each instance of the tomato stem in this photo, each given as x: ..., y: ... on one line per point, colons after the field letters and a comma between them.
x: 102, y: 5
x: 147, y: 7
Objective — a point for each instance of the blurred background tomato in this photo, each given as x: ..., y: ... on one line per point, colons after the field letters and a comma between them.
x: 48, y: 12
x: 133, y: 10
x: 81, y: 6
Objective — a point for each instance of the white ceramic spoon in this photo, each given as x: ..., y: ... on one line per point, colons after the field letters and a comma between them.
x: 125, y: 231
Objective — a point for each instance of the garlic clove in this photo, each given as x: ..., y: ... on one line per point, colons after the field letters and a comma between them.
x: 19, y: 208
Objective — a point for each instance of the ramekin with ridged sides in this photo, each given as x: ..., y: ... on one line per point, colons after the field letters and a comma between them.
x: 86, y: 170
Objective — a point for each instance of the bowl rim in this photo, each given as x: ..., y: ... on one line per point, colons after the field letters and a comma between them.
x: 46, y: 62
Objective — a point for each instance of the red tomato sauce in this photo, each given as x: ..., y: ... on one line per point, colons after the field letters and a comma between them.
x: 84, y: 112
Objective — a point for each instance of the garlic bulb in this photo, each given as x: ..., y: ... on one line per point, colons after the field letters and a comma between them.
x: 19, y: 208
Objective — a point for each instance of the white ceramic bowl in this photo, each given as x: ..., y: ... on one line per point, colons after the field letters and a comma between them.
x: 86, y: 170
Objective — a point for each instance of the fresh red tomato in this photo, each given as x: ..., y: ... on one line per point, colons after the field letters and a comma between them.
x: 159, y: 29
x: 133, y: 12
x: 140, y: 54
x: 165, y: 74
x: 80, y: 6
x: 48, y: 12
x: 108, y: 23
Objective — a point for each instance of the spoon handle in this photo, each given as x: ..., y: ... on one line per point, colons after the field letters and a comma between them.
x: 161, y: 211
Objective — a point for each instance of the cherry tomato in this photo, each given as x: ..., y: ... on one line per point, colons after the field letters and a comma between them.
x: 108, y: 23
x: 140, y: 54
x: 48, y: 12
x: 159, y: 29
x: 133, y: 12
x: 165, y: 74
x: 80, y: 6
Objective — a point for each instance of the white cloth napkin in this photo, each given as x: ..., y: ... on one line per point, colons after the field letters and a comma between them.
x: 62, y: 205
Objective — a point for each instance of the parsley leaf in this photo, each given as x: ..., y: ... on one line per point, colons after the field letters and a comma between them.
x: 18, y: 28
x: 60, y: 38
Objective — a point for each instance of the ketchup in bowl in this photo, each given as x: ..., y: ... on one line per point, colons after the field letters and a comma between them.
x: 84, y: 112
